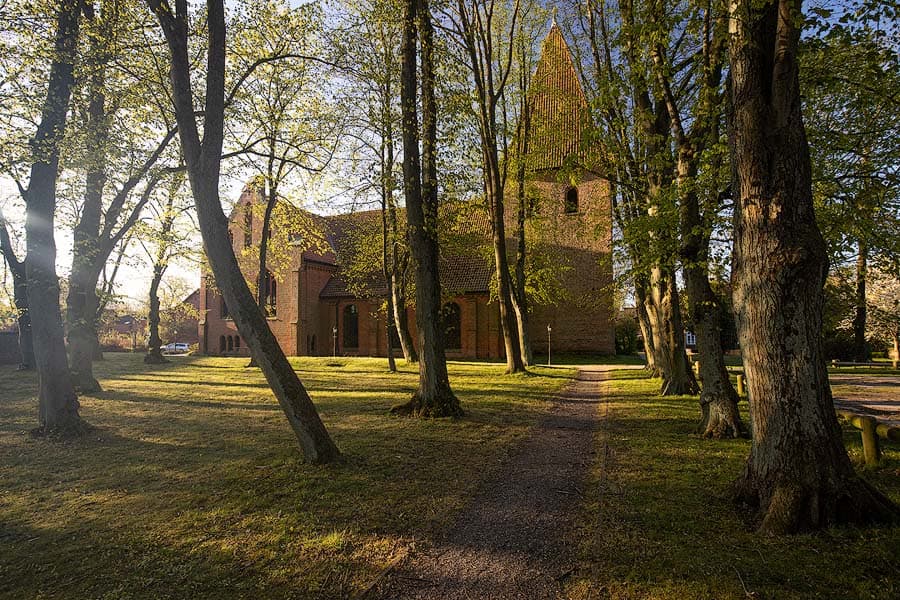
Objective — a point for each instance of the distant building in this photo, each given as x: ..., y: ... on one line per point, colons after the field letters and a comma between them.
x: 315, y: 311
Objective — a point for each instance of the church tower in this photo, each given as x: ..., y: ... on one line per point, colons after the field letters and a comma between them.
x: 569, y: 208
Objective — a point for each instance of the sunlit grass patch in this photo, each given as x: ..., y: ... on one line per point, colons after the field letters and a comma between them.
x: 192, y: 484
x: 658, y: 521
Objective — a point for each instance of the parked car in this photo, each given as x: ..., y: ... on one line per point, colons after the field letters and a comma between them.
x: 176, y: 348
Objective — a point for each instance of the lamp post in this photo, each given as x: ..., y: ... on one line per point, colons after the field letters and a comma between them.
x: 549, y: 329
x: 334, y: 336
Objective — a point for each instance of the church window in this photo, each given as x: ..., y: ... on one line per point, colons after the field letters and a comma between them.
x: 230, y: 343
x: 571, y: 205
x: 221, y: 343
x: 351, y: 326
x: 450, y: 322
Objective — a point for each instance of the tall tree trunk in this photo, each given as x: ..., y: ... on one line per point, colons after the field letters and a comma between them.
x: 643, y: 319
x: 203, y: 160
x: 720, y: 417
x: 860, y: 347
x: 401, y: 320
x: 58, y: 403
x: 434, y: 397
x: 154, y: 345
x: 519, y: 295
x: 160, y: 264
x: 667, y: 332
x: 87, y: 262
x: 20, y: 298
x: 262, y: 273
x: 798, y: 474
x: 508, y: 322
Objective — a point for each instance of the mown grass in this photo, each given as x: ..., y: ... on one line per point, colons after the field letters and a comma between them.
x: 192, y: 484
x: 658, y: 521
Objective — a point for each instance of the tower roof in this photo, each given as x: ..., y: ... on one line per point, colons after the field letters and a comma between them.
x: 557, y: 107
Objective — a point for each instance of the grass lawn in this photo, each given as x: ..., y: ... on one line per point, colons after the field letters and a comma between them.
x: 192, y: 484
x: 658, y: 523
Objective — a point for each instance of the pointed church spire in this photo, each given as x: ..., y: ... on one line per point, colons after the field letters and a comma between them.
x: 558, y: 106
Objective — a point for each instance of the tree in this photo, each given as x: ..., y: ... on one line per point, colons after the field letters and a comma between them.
x: 798, y: 474
x: 163, y: 243
x: 850, y: 81
x: 57, y: 400
x: 634, y: 131
x: 434, y: 397
x: 696, y: 63
x: 369, y: 57
x: 280, y: 115
x: 20, y: 297
x: 203, y: 161
x: 884, y: 308
x: 491, y: 65
x: 105, y: 214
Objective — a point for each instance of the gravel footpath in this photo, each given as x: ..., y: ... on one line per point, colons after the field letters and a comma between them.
x: 515, y: 539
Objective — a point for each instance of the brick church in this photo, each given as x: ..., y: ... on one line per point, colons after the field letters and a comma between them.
x: 315, y: 308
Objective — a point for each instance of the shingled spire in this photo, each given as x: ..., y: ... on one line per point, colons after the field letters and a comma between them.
x: 558, y: 109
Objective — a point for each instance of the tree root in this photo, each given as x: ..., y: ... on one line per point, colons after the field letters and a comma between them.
x: 794, y: 508
x: 155, y: 358
x: 86, y: 384
x: 721, y: 419
x: 444, y: 405
x: 76, y: 428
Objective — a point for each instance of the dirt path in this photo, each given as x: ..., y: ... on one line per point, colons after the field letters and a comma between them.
x: 875, y: 395
x: 514, y: 540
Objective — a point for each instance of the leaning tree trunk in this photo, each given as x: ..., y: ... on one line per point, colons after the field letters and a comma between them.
x: 58, y: 403
x: 203, y: 160
x: 434, y: 397
x: 798, y: 474
x: 860, y: 348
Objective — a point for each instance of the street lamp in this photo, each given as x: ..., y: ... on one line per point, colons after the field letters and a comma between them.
x: 549, y: 329
x: 334, y: 335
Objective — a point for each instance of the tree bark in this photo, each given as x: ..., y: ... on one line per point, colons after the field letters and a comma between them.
x: 860, y: 347
x: 58, y: 403
x: 20, y: 299
x: 434, y: 398
x: 203, y: 160
x: 154, y: 344
x: 663, y: 309
x: 798, y: 474
x: 87, y: 262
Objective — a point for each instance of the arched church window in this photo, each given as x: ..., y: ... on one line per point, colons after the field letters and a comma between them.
x: 571, y: 204
x: 230, y: 344
x: 351, y: 326
x: 451, y: 324
x: 221, y: 343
